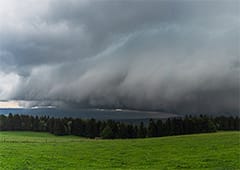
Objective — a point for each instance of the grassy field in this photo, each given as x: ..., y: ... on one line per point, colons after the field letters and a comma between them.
x: 28, y: 150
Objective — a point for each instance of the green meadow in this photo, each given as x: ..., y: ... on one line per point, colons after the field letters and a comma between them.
x: 32, y: 150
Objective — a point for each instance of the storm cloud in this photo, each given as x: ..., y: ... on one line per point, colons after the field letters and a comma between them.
x: 178, y: 56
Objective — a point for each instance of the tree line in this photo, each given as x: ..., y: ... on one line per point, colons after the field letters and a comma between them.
x: 110, y: 129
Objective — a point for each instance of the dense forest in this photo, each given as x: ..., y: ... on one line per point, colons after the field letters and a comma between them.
x: 110, y: 129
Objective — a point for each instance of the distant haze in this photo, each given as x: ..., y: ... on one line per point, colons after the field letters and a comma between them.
x: 92, y: 113
x: 180, y: 56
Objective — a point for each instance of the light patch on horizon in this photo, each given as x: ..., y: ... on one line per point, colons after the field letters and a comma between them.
x: 9, y: 104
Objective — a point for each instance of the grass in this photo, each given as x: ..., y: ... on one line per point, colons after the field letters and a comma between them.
x: 29, y: 150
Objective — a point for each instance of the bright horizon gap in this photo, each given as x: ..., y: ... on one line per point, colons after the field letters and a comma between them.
x: 21, y: 104
x: 10, y: 104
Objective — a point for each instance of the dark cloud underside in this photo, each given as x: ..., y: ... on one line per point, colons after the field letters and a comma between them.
x: 168, y: 55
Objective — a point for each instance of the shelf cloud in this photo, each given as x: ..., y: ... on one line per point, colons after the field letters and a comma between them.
x: 180, y: 56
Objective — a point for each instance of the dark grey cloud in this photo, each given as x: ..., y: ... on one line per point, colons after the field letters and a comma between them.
x: 174, y: 55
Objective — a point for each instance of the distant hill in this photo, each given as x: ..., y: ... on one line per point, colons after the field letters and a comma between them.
x: 100, y: 114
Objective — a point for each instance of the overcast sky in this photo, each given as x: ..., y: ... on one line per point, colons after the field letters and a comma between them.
x: 142, y: 54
